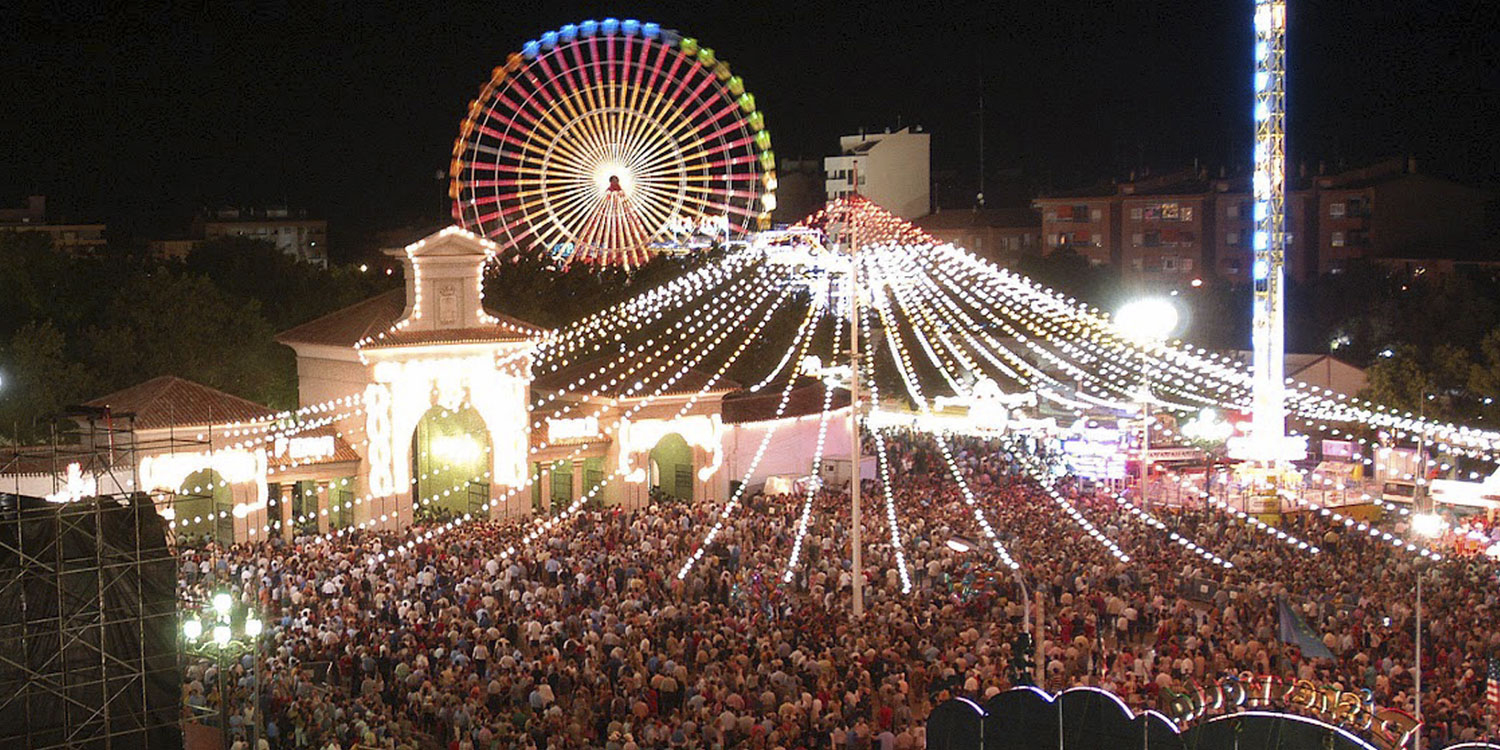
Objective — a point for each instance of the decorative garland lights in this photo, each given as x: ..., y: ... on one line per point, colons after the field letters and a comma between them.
x: 886, y: 490
x: 902, y: 359
x: 801, y: 343
x: 1039, y: 475
x: 970, y: 320
x: 904, y: 366
x: 541, y: 526
x: 816, y: 485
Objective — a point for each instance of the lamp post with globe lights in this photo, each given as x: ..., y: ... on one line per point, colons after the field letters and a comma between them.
x: 222, y: 628
x: 1427, y: 525
x: 1149, y: 321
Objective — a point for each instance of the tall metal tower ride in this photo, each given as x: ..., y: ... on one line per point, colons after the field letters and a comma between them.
x: 1268, y: 442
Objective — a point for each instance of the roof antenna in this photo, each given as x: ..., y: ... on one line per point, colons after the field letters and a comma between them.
x: 979, y: 198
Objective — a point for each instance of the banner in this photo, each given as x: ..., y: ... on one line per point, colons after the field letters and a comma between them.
x: 1295, y: 631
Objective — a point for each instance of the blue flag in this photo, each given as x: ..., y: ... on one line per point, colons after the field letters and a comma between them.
x: 1295, y: 631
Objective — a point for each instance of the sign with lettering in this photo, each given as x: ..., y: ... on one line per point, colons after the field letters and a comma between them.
x: 305, y: 448
x: 1173, y: 455
x: 572, y: 429
x: 1386, y: 728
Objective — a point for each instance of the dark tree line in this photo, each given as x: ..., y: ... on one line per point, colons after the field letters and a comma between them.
x: 76, y: 327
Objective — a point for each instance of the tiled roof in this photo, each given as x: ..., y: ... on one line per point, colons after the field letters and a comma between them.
x: 806, y: 398
x: 351, y: 324
x: 375, y: 316
x: 170, y: 401
x: 691, y: 381
x: 448, y: 336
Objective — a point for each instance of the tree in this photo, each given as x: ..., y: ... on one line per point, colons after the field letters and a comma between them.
x: 289, y: 291
x: 171, y: 323
x: 39, y: 381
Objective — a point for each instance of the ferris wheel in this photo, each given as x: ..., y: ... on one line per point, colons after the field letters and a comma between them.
x: 604, y: 142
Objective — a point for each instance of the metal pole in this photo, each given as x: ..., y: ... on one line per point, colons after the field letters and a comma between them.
x: 856, y: 539
x: 255, y: 718
x: 1417, y: 736
x: 1036, y: 643
x: 1145, y: 448
x: 223, y: 698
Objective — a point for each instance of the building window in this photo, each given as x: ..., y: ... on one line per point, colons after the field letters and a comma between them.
x: 1168, y: 212
x: 1098, y: 240
x: 1137, y: 239
x: 1231, y: 238
x: 1337, y: 239
x: 1336, y: 210
x: 1095, y: 214
x: 1357, y: 207
x: 1135, y: 214
x: 1232, y: 210
x: 1153, y: 239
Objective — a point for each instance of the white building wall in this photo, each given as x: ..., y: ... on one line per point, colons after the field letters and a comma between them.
x: 791, y: 449
x: 894, y: 173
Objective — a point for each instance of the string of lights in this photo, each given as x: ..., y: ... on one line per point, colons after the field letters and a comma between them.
x: 816, y: 486
x: 800, y: 344
x: 902, y: 358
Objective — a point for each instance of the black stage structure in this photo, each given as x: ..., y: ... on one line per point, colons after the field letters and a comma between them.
x: 88, y: 620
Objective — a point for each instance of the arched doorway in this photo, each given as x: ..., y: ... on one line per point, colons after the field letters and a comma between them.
x: 450, y: 457
x: 204, y: 508
x: 672, y: 468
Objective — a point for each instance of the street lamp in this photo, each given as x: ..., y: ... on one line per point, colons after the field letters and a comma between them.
x: 963, y: 545
x: 1428, y: 525
x: 232, y: 632
x: 1148, y: 320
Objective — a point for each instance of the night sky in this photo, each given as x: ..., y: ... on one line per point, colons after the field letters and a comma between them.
x: 143, y: 114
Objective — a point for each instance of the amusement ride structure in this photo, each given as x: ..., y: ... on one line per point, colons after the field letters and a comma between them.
x: 603, y: 142
x: 606, y: 142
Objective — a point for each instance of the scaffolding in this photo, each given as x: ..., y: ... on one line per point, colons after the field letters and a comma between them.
x: 88, y: 651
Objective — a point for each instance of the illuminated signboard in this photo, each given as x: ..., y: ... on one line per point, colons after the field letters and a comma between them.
x: 305, y: 448
x: 572, y: 429
x: 1387, y: 728
x: 1094, y: 460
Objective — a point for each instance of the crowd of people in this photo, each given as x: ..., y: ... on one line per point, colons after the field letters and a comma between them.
x: 589, y: 638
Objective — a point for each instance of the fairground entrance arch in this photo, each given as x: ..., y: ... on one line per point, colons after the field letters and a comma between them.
x: 450, y: 464
x: 671, y: 467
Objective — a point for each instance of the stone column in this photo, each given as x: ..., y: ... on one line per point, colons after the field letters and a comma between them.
x: 578, y: 486
x: 544, y: 488
x: 285, y: 510
x: 322, y: 498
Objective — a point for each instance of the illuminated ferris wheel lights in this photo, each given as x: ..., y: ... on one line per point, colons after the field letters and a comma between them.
x: 599, y: 142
